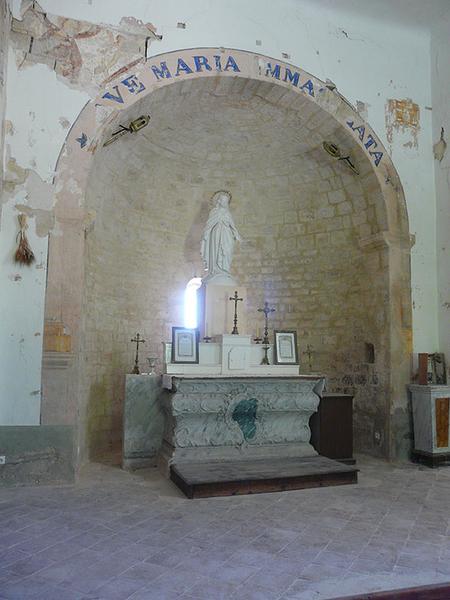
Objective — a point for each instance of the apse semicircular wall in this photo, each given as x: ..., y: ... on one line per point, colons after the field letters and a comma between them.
x: 308, y: 224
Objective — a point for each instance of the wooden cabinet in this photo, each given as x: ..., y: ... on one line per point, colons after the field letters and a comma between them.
x: 332, y: 427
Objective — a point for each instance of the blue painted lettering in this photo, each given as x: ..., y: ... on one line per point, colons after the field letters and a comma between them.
x: 361, y: 131
x: 293, y: 77
x: 309, y: 86
x: 162, y: 72
x: 218, y: 63
x: 201, y: 61
x: 231, y: 64
x: 275, y: 72
x: 110, y: 96
x: 82, y: 140
x: 378, y: 156
x: 183, y: 67
x: 370, y: 142
x: 133, y: 84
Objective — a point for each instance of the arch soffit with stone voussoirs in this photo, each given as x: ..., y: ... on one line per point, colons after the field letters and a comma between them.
x: 64, y: 297
x: 126, y: 89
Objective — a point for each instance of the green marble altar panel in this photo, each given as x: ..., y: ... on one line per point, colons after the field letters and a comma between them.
x: 143, y: 421
x: 244, y: 414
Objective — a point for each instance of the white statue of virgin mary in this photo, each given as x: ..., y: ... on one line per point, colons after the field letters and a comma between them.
x: 218, y: 239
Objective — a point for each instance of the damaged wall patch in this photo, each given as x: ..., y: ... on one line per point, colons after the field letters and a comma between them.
x: 404, y: 116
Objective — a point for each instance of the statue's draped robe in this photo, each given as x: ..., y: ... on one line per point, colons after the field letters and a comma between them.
x: 218, y: 241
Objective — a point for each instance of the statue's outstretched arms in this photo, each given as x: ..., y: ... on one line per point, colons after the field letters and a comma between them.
x: 234, y: 230
x: 237, y: 236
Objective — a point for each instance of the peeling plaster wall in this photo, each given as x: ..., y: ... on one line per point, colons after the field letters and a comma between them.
x: 440, y: 80
x: 5, y: 20
x: 33, y: 142
x: 368, y: 61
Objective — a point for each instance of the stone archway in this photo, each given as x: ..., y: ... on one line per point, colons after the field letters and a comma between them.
x: 389, y: 244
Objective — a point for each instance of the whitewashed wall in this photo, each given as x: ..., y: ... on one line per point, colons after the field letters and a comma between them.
x: 440, y: 79
x: 369, y: 62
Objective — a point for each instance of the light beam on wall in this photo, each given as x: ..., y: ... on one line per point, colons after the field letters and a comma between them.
x: 190, y: 302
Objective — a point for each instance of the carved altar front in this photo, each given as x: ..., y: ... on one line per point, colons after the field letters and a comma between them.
x: 232, y: 418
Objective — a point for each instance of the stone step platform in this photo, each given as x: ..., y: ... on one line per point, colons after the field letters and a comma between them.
x: 230, y: 478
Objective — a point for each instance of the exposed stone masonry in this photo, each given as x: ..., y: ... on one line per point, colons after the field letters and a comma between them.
x: 302, y: 216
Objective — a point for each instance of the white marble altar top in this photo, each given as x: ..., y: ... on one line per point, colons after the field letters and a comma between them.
x: 167, y: 378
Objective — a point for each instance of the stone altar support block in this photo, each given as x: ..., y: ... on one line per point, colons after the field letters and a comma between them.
x: 228, y: 418
x: 143, y: 421
x: 217, y: 311
x: 431, y: 408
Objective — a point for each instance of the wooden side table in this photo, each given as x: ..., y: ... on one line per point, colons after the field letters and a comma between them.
x: 431, y: 417
x: 332, y: 427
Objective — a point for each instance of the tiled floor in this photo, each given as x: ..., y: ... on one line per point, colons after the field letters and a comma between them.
x: 117, y: 535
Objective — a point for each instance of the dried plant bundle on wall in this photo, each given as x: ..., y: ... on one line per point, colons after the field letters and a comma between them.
x: 24, y: 254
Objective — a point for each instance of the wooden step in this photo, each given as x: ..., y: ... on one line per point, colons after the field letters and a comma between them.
x: 215, y: 478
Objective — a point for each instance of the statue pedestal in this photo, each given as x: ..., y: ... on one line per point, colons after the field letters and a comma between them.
x: 217, y: 311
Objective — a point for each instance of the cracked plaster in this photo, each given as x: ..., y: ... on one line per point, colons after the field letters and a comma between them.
x: 84, y: 55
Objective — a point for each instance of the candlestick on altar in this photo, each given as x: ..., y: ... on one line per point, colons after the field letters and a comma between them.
x: 265, y: 341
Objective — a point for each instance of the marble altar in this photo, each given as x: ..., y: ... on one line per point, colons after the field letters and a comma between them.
x: 228, y: 406
x: 143, y: 421
x: 232, y: 418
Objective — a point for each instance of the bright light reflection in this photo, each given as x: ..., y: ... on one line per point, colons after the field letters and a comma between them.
x: 190, y: 302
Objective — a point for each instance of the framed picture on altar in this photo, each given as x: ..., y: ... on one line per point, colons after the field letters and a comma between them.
x: 185, y: 345
x: 285, y: 348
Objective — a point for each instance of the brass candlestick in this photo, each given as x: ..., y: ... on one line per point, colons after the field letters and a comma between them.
x: 266, y: 343
x: 265, y: 360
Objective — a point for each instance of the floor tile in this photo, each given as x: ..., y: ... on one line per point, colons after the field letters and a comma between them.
x: 117, y: 535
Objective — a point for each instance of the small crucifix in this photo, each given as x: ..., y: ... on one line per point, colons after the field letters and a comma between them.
x: 138, y: 340
x: 235, y: 299
x: 309, y: 352
x: 266, y: 310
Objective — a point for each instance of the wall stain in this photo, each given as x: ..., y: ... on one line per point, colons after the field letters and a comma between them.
x: 404, y: 116
x: 72, y: 47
